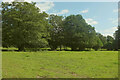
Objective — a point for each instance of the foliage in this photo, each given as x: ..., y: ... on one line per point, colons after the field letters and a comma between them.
x: 103, y: 39
x: 98, y: 45
x: 23, y: 25
x: 116, y: 42
x: 109, y: 44
x: 77, y: 33
x: 56, y: 32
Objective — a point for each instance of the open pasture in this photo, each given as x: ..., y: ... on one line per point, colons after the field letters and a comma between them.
x: 60, y: 64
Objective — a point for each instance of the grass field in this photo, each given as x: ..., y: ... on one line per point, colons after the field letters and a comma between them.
x: 60, y: 64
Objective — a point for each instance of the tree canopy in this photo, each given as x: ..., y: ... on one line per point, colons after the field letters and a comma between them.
x: 24, y: 26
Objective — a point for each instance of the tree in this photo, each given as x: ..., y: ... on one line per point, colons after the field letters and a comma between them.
x: 23, y: 25
x: 109, y: 44
x: 56, y: 32
x: 91, y: 37
x: 116, y: 41
x: 99, y: 43
x: 77, y: 33
x: 103, y: 39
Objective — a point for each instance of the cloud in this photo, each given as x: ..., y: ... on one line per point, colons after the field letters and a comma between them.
x: 114, y: 21
x: 115, y: 10
x: 91, y: 21
x: 24, y: 0
x: 45, y: 6
x: 108, y: 34
x: 61, y: 12
x: 84, y: 11
x: 7, y: 0
x: 109, y: 31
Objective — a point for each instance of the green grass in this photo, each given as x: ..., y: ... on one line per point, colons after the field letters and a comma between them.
x: 0, y: 65
x: 60, y: 64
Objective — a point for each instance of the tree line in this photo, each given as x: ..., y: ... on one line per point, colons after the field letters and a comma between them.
x: 24, y: 26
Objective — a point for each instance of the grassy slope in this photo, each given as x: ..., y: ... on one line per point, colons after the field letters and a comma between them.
x: 64, y: 64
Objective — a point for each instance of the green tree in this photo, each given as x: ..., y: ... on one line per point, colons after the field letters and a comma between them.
x: 23, y: 25
x: 116, y: 41
x: 56, y: 32
x: 109, y: 44
x: 91, y: 37
x: 77, y: 33
x: 103, y: 39
x: 98, y: 44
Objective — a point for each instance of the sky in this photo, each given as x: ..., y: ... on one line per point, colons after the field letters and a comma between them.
x: 101, y: 15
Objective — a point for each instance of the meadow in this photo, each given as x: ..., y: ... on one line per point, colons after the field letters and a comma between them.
x: 60, y: 64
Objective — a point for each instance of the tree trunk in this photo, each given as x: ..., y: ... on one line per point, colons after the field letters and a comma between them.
x: 81, y: 49
x: 73, y: 49
x: 53, y: 48
x: 20, y: 48
x: 60, y: 47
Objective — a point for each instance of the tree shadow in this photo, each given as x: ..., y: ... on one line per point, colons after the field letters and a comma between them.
x: 8, y: 50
